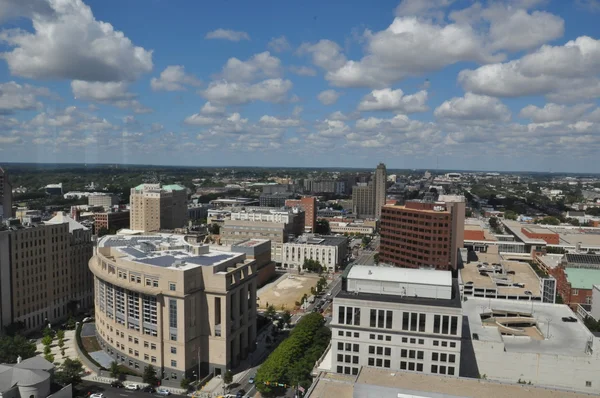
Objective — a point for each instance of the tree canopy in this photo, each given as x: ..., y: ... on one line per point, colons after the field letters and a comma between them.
x: 293, y: 360
x: 11, y: 347
x: 312, y: 266
x: 149, y: 375
x: 69, y: 372
x: 322, y: 227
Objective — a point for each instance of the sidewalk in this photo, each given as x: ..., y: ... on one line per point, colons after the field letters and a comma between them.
x: 108, y: 380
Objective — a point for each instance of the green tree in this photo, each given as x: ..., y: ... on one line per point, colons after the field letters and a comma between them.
x: 48, y: 332
x: 549, y: 220
x: 185, y: 383
x: 286, y: 317
x: 376, y: 258
x: 49, y: 357
x: 69, y: 372
x: 149, y: 375
x: 510, y: 215
x: 366, y: 240
x: 102, y: 231
x: 228, y: 378
x: 47, y: 350
x: 47, y: 340
x: 493, y: 222
x: 60, y: 334
x: 214, y: 229
x: 12, y: 347
x: 573, y: 221
x: 270, y: 312
x: 322, y: 227
x: 115, y: 370
x: 61, y: 343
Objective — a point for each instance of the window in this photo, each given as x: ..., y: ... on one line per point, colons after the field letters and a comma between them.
x: 173, y: 363
x: 403, y: 365
x: 405, y: 339
x: 340, y: 358
x: 173, y: 336
x: 340, y: 346
x: 341, y: 312
x: 172, y: 313
x: 422, y: 322
x: 356, y: 316
x: 388, y: 319
x: 405, y: 320
x: 388, y: 351
x: 380, y: 318
x: 152, y: 359
x: 371, y: 362
x: 341, y: 333
x: 574, y: 292
x: 356, y: 335
x: 355, y: 347
x: 419, y: 367
x: 371, y: 349
x: 380, y: 337
x: 588, y: 383
x: 436, y: 343
x: 434, y: 356
x: 421, y: 341
x: 454, y: 325
x: 411, y: 366
x: 173, y: 350
x: 379, y: 350
x: 340, y: 369
x: 379, y: 362
x: 153, y: 346
x: 436, y: 323
x: 355, y: 359
x: 420, y: 354
x: 373, y: 318
x: 145, y: 344
x: 372, y: 336
x: 434, y: 369
x: 413, y: 321
x: 452, y: 345
x: 444, y: 344
x: 403, y: 353
x: 413, y: 341
x: 443, y: 357
x: 452, y: 358
x: 388, y: 338
x: 172, y: 286
x: 411, y: 354
x: 445, y: 324
x: 386, y: 363
x: 443, y: 370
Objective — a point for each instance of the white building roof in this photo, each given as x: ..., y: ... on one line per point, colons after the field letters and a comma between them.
x: 61, y: 218
x: 401, y: 275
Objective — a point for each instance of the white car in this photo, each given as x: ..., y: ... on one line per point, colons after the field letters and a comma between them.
x: 163, y: 392
x: 132, y: 386
x: 98, y: 395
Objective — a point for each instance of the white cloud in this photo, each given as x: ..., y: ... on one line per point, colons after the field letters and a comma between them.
x: 272, y: 121
x: 226, y: 93
x: 554, y: 112
x: 24, y: 8
x: 112, y: 93
x: 521, y: 30
x: 303, y: 70
x: 71, y: 44
x: 409, y: 47
x: 279, y: 44
x: 394, y: 100
x: 174, y: 78
x: 551, y: 70
x: 262, y: 65
x: 328, y: 97
x: 420, y: 8
x: 325, y: 54
x: 210, y: 109
x: 337, y: 115
x: 17, y: 97
x: 332, y: 128
x: 226, y: 34
x: 473, y: 107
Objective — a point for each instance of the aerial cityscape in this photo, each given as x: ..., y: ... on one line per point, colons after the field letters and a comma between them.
x: 299, y: 199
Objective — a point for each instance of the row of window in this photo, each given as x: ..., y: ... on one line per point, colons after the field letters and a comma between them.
x: 348, y: 358
x: 348, y: 347
x: 379, y: 362
x: 348, y: 315
x: 349, y: 334
x: 347, y: 370
x: 378, y: 350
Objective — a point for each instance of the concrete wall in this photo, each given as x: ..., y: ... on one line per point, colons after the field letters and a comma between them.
x: 569, y: 372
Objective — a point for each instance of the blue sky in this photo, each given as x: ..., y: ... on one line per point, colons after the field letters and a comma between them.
x: 502, y: 85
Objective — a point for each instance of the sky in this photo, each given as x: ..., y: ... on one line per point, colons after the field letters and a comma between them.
x: 452, y: 84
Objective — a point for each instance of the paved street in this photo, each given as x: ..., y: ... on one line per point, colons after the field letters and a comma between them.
x: 110, y: 392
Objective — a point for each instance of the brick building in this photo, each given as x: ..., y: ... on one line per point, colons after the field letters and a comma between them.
x: 309, y: 205
x: 423, y: 233
x: 111, y: 220
x: 535, y: 232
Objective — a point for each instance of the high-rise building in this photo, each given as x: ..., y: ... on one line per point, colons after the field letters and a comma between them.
x: 101, y: 199
x: 397, y: 319
x: 187, y: 310
x: 5, y: 195
x: 423, y: 233
x: 379, y: 188
x: 368, y: 198
x: 309, y: 205
x: 43, y: 271
x: 154, y: 207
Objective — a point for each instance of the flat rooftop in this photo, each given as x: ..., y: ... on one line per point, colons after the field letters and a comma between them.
x: 551, y: 260
x: 534, y: 229
x: 557, y: 337
x: 401, y: 275
x: 250, y: 243
x: 164, y: 250
x: 515, y: 228
x: 522, y: 274
x: 381, y: 383
x: 583, y: 278
x: 322, y: 240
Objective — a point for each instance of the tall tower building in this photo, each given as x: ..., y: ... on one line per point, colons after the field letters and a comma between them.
x: 379, y: 188
x: 5, y: 195
x: 423, y: 233
x: 154, y: 207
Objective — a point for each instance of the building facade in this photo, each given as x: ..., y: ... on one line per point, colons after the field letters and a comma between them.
x: 43, y: 273
x: 415, y: 326
x: 277, y: 199
x: 105, y: 200
x: 330, y: 251
x: 234, y: 231
x: 379, y: 188
x: 178, y: 306
x: 309, y: 205
x: 363, y: 201
x: 154, y: 207
x: 113, y: 220
x: 423, y: 233
x: 5, y: 195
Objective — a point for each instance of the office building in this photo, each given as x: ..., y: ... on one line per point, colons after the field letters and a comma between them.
x: 423, y: 233
x: 329, y: 251
x: 234, y: 231
x: 198, y: 211
x: 368, y: 198
x: 277, y: 199
x: 270, y: 189
x: 54, y: 189
x: 112, y: 220
x: 309, y: 205
x: 5, y: 195
x: 155, y: 208
x: 531, y: 342
x: 293, y: 218
x: 43, y: 272
x: 101, y: 199
x: 397, y: 319
x: 180, y: 306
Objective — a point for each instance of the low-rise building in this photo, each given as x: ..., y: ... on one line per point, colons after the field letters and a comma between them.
x: 531, y: 342
x: 350, y: 228
x: 112, y: 220
x: 176, y: 305
x: 30, y: 378
x: 105, y: 200
x: 330, y: 251
x: 397, y: 319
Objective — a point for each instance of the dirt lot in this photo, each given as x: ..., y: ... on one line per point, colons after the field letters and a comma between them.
x: 287, y: 291
x: 90, y: 344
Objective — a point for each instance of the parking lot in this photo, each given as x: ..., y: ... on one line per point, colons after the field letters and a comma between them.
x: 284, y: 292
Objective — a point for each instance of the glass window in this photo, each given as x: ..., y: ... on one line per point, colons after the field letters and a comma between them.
x: 436, y: 323
x: 445, y: 324
x: 341, y: 312
x: 452, y: 358
x: 172, y: 313
x: 173, y: 350
x: 405, y: 320
x: 388, y: 319
x: 434, y: 356
x: 357, y: 316
x: 380, y: 318
x: 420, y: 354
x: 173, y: 363
x: 340, y: 346
x: 434, y: 369
x: 340, y: 357
x: 403, y: 365
x: 379, y: 350
x: 419, y: 367
x: 422, y: 318
x: 371, y: 362
x: 454, y: 325
x: 411, y: 366
x: 388, y: 351
x: 348, y: 316
x: 451, y: 370
x: 371, y: 349
x: 373, y: 318
x: 172, y: 286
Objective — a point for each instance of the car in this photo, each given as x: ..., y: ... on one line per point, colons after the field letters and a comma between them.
x: 511, y: 272
x: 528, y: 292
x: 149, y: 389
x: 88, y: 319
x: 240, y: 393
x: 132, y: 386
x: 98, y: 395
x: 162, y: 391
x: 117, y: 384
x: 569, y: 319
x: 251, y: 379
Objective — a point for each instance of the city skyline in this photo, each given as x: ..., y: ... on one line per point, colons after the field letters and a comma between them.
x: 508, y: 86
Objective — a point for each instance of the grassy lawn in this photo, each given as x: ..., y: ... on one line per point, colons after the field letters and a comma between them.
x: 90, y: 344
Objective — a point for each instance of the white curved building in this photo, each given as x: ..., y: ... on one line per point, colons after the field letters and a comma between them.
x: 178, y: 306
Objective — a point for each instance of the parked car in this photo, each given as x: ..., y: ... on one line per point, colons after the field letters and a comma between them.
x: 240, y: 393
x: 132, y: 386
x: 528, y: 292
x: 149, y: 389
x: 98, y: 395
x: 162, y: 391
x: 569, y: 319
x: 117, y: 384
x: 88, y: 319
x: 251, y: 379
